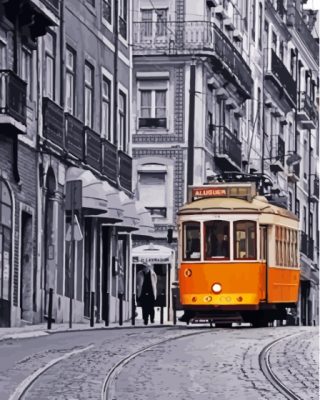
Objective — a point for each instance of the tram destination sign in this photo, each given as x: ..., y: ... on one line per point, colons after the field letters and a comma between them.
x: 239, y: 190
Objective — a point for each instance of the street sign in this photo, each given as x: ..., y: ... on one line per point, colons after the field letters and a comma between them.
x: 77, y: 231
x: 73, y: 195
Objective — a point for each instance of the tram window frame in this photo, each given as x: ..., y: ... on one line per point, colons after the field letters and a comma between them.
x: 225, y: 232
x: 247, y: 239
x: 186, y: 257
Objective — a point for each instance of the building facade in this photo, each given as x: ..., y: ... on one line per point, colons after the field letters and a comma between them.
x: 228, y: 86
x: 65, y: 88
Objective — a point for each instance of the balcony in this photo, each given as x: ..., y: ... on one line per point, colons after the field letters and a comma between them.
x: 294, y: 173
x: 277, y: 164
x: 282, y: 78
x: 74, y: 137
x: 307, y: 113
x: 53, y: 122
x: 315, y: 189
x: 227, y: 149
x: 35, y: 16
x: 125, y: 170
x: 304, y: 243
x: 296, y: 21
x: 194, y: 37
x: 93, y: 148
x: 13, y: 93
x: 109, y: 160
x: 310, y: 248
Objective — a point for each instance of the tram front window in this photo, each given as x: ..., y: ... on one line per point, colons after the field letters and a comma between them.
x: 245, y: 240
x: 217, y: 239
x: 191, y: 241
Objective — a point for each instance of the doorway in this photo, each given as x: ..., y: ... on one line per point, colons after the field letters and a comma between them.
x: 26, y: 281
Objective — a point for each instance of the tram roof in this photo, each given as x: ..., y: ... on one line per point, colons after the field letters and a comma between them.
x: 259, y: 204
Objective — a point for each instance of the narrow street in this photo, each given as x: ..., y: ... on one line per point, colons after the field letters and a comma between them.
x: 183, y: 363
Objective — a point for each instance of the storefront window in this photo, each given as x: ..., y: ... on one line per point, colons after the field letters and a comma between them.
x: 191, y: 241
x: 245, y: 240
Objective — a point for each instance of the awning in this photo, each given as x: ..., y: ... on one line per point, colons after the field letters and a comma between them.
x: 153, y: 254
x: 146, y: 226
x: 131, y: 219
x: 115, y: 210
x: 94, y: 200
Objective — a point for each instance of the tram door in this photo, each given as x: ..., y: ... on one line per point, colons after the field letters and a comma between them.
x: 264, y: 249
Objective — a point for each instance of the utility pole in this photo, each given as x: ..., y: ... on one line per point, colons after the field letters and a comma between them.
x: 190, y: 154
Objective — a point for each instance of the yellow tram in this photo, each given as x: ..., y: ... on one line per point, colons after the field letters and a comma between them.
x: 238, y: 256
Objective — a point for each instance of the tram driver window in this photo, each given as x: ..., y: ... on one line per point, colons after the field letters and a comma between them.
x: 245, y: 240
x: 217, y: 239
x: 191, y: 241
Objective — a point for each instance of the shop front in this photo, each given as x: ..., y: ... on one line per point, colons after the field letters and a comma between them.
x: 163, y: 260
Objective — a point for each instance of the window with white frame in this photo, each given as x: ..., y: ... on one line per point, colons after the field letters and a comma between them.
x: 88, y: 94
x: 123, y: 16
x: 70, y: 80
x: 105, y: 112
x: 107, y: 10
x: 26, y: 70
x: 49, y: 65
x: 152, y: 191
x: 123, y: 145
x: 154, y: 22
x: 153, y: 104
x: 3, y: 65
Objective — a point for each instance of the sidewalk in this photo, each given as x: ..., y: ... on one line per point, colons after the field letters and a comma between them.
x: 30, y: 331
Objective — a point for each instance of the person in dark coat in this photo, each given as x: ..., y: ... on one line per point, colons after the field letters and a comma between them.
x: 147, y: 291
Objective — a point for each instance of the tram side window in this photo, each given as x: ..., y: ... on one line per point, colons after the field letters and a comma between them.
x: 217, y: 239
x: 191, y: 241
x: 245, y: 242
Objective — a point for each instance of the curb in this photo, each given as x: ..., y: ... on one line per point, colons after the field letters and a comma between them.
x: 46, y: 332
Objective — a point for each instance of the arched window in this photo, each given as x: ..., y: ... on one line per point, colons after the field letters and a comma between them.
x: 5, y: 240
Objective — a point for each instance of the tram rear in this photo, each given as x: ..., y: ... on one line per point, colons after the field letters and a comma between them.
x: 238, y: 256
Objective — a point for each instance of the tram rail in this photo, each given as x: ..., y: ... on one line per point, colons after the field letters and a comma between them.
x: 265, y: 366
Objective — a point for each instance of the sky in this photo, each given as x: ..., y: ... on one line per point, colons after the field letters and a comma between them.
x: 314, y: 4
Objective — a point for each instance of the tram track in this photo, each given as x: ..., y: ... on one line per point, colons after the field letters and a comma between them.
x: 107, y: 392
x: 265, y: 366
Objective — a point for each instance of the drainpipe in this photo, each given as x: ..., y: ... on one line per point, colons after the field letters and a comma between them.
x: 190, y: 151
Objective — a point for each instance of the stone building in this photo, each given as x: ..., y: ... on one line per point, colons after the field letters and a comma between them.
x: 215, y: 89
x: 65, y: 87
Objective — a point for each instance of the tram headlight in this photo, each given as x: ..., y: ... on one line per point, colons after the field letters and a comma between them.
x: 216, y: 288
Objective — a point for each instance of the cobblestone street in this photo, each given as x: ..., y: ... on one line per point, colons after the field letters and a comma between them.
x: 218, y: 363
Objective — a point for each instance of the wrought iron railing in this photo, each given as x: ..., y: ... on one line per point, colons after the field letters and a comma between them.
x: 92, y: 148
x: 13, y: 94
x: 53, y: 118
x: 74, y: 136
x: 295, y: 19
x: 304, y: 243
x: 307, y: 105
x: 110, y: 159
x: 226, y: 143
x: 191, y: 37
x: 125, y: 170
x: 283, y: 76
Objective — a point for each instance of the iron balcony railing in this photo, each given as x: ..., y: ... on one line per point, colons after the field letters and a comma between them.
x: 125, y: 170
x: 227, y: 144
x: 92, y: 148
x: 316, y: 187
x: 304, y: 243
x: 294, y: 19
x: 310, y: 248
x: 13, y: 94
x: 53, y: 118
x: 74, y: 137
x: 109, y: 160
x: 307, y: 105
x: 281, y: 150
x: 196, y: 37
x: 282, y: 77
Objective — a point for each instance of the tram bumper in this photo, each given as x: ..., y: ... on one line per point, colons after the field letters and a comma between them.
x: 225, y: 300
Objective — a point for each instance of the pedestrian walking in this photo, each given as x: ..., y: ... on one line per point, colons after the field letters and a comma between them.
x: 147, y: 291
